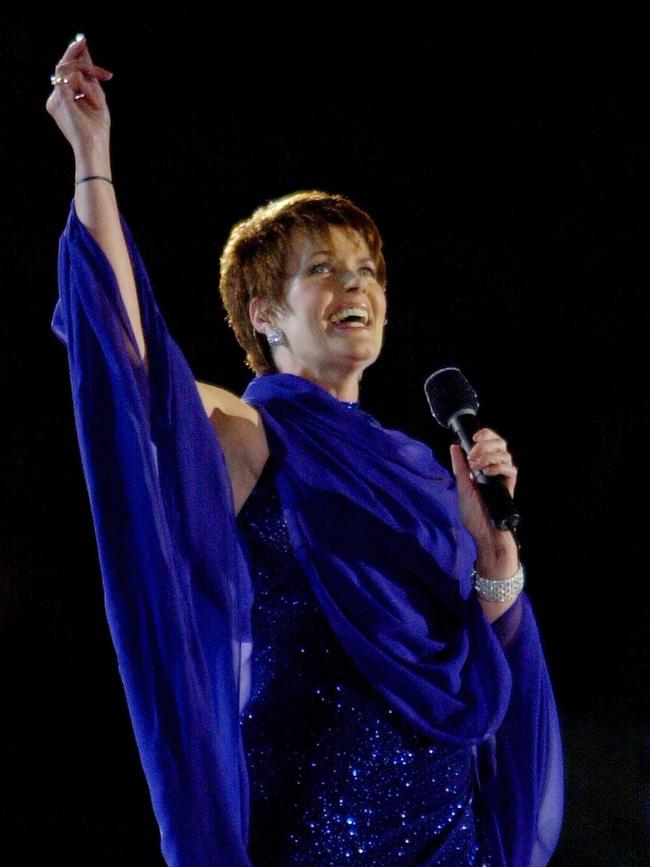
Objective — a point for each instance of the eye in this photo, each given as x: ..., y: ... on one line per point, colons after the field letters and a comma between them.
x: 371, y: 270
x: 314, y: 268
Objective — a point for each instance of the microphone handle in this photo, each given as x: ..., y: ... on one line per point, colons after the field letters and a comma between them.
x: 495, y: 495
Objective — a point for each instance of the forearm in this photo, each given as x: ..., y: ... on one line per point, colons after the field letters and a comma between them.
x: 96, y: 206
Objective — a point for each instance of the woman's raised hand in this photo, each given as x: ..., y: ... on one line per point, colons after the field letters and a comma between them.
x: 77, y: 103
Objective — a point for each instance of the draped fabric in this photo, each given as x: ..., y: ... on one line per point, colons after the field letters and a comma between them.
x: 177, y: 592
x: 374, y: 521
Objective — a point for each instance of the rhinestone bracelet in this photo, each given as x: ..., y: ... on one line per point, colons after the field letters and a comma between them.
x: 499, y: 590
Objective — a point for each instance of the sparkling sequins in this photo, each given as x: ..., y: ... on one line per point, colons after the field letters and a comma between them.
x: 336, y: 777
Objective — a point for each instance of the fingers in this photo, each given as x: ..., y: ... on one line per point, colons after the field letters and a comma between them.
x: 490, y: 455
x: 82, y: 77
x: 74, y: 52
x: 489, y: 448
x: 81, y: 88
x: 77, y: 56
x: 89, y: 70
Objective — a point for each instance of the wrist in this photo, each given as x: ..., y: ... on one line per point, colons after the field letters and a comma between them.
x: 92, y: 158
x: 499, y: 590
x: 498, y: 561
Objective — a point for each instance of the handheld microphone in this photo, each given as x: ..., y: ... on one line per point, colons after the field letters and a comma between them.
x: 454, y: 405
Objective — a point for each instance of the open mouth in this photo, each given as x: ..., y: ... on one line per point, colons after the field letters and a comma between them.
x: 350, y: 317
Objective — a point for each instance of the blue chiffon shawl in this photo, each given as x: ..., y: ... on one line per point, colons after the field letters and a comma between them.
x: 374, y: 521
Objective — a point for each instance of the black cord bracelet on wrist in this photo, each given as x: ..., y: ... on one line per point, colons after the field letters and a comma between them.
x: 93, y: 178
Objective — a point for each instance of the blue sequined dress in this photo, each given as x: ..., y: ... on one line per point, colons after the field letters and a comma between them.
x: 336, y: 776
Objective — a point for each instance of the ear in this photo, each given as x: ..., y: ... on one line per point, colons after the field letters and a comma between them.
x: 259, y: 315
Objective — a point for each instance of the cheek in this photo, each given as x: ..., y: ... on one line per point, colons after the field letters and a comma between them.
x: 310, y: 322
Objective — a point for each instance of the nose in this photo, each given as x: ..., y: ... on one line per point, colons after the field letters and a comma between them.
x: 350, y: 280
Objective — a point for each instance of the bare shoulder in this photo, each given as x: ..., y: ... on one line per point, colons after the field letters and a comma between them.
x: 240, y: 430
x: 226, y: 403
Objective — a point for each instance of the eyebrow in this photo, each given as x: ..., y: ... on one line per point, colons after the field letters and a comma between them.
x: 330, y: 253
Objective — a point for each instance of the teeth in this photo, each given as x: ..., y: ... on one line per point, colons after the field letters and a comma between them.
x: 350, y: 311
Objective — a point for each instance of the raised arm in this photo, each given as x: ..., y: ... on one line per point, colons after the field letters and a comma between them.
x: 78, y: 105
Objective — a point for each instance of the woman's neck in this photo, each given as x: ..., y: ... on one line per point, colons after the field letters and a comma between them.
x: 343, y: 387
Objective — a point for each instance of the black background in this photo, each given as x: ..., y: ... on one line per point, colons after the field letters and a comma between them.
x: 505, y: 163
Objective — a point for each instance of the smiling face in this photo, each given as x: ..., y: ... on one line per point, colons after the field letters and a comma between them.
x: 326, y: 275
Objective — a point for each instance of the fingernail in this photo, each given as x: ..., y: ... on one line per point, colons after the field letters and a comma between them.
x: 78, y: 38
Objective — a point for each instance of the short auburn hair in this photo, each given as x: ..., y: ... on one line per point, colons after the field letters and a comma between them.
x: 254, y: 258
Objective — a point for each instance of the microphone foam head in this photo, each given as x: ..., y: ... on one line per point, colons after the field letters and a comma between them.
x: 448, y: 392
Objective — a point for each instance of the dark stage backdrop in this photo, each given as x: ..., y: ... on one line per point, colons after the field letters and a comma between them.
x: 506, y: 166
